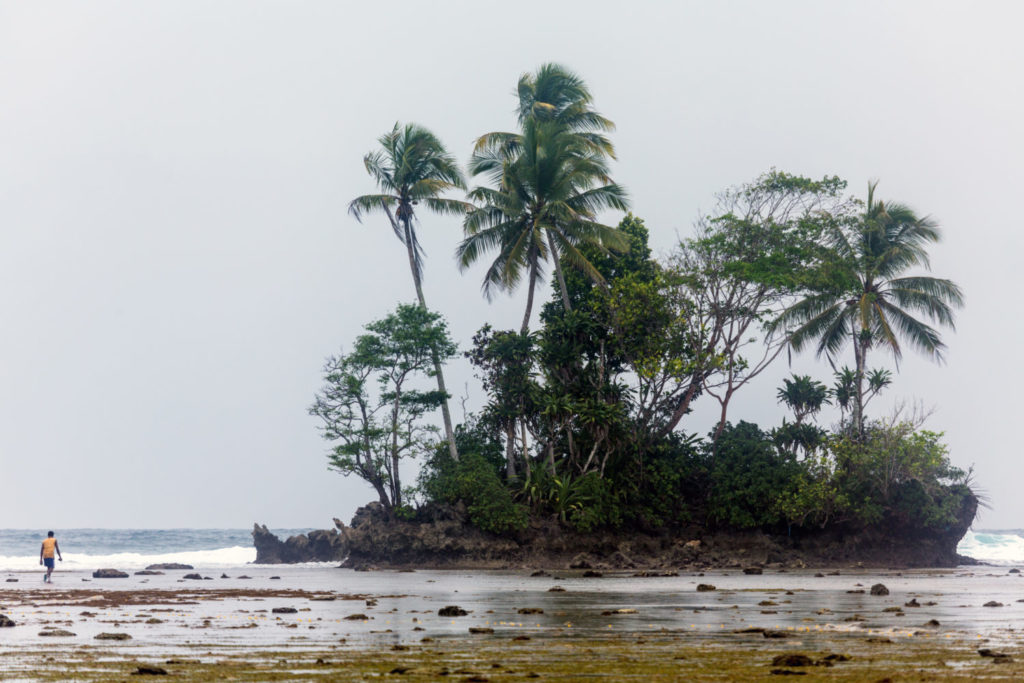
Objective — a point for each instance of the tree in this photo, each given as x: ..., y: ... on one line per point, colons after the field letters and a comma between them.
x: 876, y: 303
x: 411, y: 167
x: 804, y: 396
x: 549, y: 183
x: 744, y: 264
x: 370, y: 406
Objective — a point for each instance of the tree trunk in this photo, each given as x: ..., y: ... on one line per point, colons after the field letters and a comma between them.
x: 559, y: 274
x: 860, y: 353
x: 510, y: 451
x: 530, y: 286
x: 438, y: 371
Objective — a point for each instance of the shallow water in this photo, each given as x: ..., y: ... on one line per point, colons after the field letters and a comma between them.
x: 407, y: 601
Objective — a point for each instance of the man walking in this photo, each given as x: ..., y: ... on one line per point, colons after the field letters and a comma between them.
x: 46, y: 553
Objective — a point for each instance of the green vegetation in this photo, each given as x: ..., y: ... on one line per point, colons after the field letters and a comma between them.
x: 586, y: 416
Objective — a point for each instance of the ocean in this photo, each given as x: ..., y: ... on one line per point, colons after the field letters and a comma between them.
x: 87, y: 549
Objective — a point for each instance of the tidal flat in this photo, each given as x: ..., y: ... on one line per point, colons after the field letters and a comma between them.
x: 321, y: 623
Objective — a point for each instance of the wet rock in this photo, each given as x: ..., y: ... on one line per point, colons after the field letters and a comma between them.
x: 12, y: 581
x: 480, y: 629
x: 793, y: 659
x: 819, y: 575
x: 998, y: 656
x: 836, y: 658
x: 623, y: 610
x: 893, y: 609
x: 767, y: 603
x: 323, y: 598
x: 113, y: 636
x: 787, y: 672
x: 275, y: 578
x: 931, y: 623
x: 857, y: 591
x: 243, y: 576
x: 170, y: 565
x: 753, y: 570
x: 556, y: 589
x: 193, y: 577
x: 57, y: 633
x: 992, y: 603
x: 6, y: 621
x: 149, y: 572
x: 591, y: 574
x: 154, y: 620
x: 357, y: 617
x: 581, y: 561
x: 705, y: 587
x: 109, y: 574
x: 879, y: 589
x: 771, y: 633
x: 878, y: 641
x: 224, y: 576
x: 150, y: 671
x: 452, y: 611
x: 316, y: 546
x: 540, y: 572
x: 1014, y: 571
x: 913, y: 603
x: 284, y: 610
x: 530, y: 610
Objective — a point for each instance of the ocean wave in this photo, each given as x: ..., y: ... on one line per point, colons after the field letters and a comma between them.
x: 234, y: 556
x: 995, y: 547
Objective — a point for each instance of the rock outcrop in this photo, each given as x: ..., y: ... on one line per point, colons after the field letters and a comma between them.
x: 440, y: 536
x: 316, y: 546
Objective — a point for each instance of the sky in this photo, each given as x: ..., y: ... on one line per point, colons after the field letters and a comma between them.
x: 176, y: 260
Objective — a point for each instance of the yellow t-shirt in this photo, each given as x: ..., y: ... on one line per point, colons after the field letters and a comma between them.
x: 48, y: 545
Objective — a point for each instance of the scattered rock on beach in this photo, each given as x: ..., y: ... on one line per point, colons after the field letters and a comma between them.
x: 284, y: 610
x: 556, y: 589
x: 57, y: 633
x: 540, y: 572
x: 705, y: 587
x: 6, y: 621
x: 787, y: 672
x: 913, y: 603
x: 1014, y: 571
x: 771, y: 633
x: 753, y: 570
x: 357, y: 617
x: 592, y: 574
x: 793, y: 659
x: 998, y: 656
x: 530, y: 610
x: 480, y: 629
x: 992, y: 603
x: 932, y: 623
x: 879, y: 589
x: 109, y: 574
x: 113, y: 636
x: 12, y: 581
x: 150, y: 671
x: 170, y: 565
x: 452, y: 611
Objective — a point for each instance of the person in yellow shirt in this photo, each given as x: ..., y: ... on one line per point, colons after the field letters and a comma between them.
x: 46, y: 553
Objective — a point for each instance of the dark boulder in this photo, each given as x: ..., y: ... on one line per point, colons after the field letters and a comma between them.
x: 5, y: 621
x: 109, y: 574
x: 170, y: 565
x: 316, y: 546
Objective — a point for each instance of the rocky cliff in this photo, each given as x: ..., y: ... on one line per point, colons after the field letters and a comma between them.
x: 441, y: 537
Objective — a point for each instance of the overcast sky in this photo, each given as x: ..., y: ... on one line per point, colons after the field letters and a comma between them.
x: 176, y: 260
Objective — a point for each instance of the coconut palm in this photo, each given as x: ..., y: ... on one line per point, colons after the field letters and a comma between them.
x: 881, y: 304
x: 549, y: 183
x: 412, y: 168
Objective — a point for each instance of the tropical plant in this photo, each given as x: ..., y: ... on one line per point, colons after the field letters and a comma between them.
x: 804, y: 396
x: 413, y: 167
x: 876, y: 302
x: 369, y: 405
x: 549, y: 182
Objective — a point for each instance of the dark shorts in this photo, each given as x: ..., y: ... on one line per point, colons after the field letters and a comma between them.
x: 48, y: 561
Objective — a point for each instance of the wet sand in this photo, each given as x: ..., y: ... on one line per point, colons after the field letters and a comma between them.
x: 361, y: 625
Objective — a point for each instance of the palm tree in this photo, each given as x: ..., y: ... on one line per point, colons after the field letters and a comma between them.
x: 804, y: 396
x: 878, y: 305
x: 550, y: 181
x: 413, y: 167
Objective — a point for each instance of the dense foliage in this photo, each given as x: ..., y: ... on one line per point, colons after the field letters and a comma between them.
x: 586, y: 415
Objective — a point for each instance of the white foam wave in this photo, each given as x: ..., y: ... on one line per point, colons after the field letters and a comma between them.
x: 992, y: 547
x: 214, y: 559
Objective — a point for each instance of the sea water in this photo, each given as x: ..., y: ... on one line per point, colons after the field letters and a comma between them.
x: 1000, y: 546
x: 88, y: 549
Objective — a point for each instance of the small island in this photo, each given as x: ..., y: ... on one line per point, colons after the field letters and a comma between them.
x: 585, y: 453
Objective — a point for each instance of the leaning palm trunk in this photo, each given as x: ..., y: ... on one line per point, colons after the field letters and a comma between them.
x: 445, y: 413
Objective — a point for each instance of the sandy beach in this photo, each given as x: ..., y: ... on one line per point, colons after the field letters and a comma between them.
x: 333, y: 624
